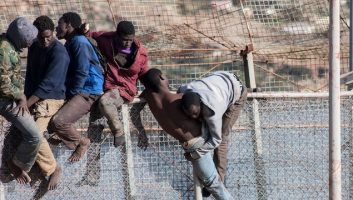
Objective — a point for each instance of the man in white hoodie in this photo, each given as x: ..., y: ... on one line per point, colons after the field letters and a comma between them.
x: 217, y: 101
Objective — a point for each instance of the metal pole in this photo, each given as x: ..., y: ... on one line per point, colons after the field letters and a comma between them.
x: 350, y: 85
x: 350, y: 36
x: 271, y: 95
x: 129, y: 155
x: 350, y: 149
x: 334, y: 105
x: 249, y: 72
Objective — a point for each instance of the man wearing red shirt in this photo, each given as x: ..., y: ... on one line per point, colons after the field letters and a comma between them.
x: 126, y: 61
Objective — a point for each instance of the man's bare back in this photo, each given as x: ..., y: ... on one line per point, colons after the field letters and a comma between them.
x: 166, y: 109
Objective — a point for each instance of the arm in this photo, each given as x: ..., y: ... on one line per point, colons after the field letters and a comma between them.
x: 21, y: 105
x: 94, y: 35
x: 7, y: 75
x: 32, y: 100
x: 11, y: 80
x: 85, y: 30
x: 28, y: 83
x: 135, y: 116
x: 81, y: 62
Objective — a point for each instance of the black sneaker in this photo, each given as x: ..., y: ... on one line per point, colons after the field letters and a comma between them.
x: 205, y: 192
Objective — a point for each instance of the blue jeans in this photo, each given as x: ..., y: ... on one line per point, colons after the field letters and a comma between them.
x: 26, y: 152
x: 206, y: 171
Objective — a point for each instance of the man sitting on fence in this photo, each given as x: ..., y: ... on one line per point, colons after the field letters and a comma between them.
x: 165, y: 107
x: 126, y: 61
x: 84, y: 85
x: 13, y: 103
x: 47, y: 65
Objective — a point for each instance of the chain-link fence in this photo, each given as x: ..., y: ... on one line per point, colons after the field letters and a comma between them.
x: 290, y: 37
x: 279, y: 146
x: 278, y: 150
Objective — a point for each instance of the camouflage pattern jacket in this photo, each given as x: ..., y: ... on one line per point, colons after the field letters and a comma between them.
x: 11, y: 83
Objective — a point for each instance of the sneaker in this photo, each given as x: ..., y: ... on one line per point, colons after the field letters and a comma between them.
x: 205, y: 192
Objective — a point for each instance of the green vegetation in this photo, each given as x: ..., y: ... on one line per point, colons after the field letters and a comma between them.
x: 297, y: 72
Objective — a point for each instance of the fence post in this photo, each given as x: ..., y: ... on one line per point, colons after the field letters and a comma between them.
x: 257, y: 141
x: 335, y: 182
x: 350, y: 157
x: 129, y: 157
x: 249, y: 71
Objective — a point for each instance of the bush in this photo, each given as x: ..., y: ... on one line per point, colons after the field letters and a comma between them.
x: 295, y: 71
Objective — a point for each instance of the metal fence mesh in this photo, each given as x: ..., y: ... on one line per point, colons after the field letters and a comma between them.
x: 279, y: 152
x: 290, y: 37
x: 283, y: 155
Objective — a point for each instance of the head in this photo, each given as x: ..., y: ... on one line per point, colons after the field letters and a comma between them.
x: 125, y: 32
x: 154, y: 79
x: 67, y: 24
x: 191, y: 104
x: 45, y: 28
x: 21, y: 33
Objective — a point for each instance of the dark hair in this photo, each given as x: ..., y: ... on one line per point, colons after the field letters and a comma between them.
x: 151, y: 79
x: 125, y: 28
x: 190, y: 98
x: 72, y: 18
x: 43, y: 23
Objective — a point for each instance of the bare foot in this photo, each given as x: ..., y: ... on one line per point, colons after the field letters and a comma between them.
x: 54, y: 178
x: 80, y: 150
x: 119, y: 140
x: 20, y: 175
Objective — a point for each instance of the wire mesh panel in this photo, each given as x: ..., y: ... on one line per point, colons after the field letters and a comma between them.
x: 290, y: 37
x: 277, y: 151
x: 279, y: 147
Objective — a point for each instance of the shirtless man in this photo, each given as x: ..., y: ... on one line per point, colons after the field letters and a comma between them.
x: 188, y: 131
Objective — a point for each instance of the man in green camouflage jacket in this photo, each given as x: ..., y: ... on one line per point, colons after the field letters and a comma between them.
x: 13, y: 103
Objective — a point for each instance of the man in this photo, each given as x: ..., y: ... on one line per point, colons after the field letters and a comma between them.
x: 217, y: 101
x: 188, y: 131
x: 13, y: 103
x: 127, y: 61
x: 84, y: 85
x: 47, y: 64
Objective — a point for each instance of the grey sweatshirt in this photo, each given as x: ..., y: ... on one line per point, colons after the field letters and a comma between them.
x: 218, y: 91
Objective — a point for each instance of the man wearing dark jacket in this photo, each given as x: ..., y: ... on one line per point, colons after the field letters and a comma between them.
x: 47, y: 64
x: 84, y: 85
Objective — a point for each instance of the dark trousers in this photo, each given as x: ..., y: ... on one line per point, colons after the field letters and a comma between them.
x: 229, y: 118
x: 62, y: 123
